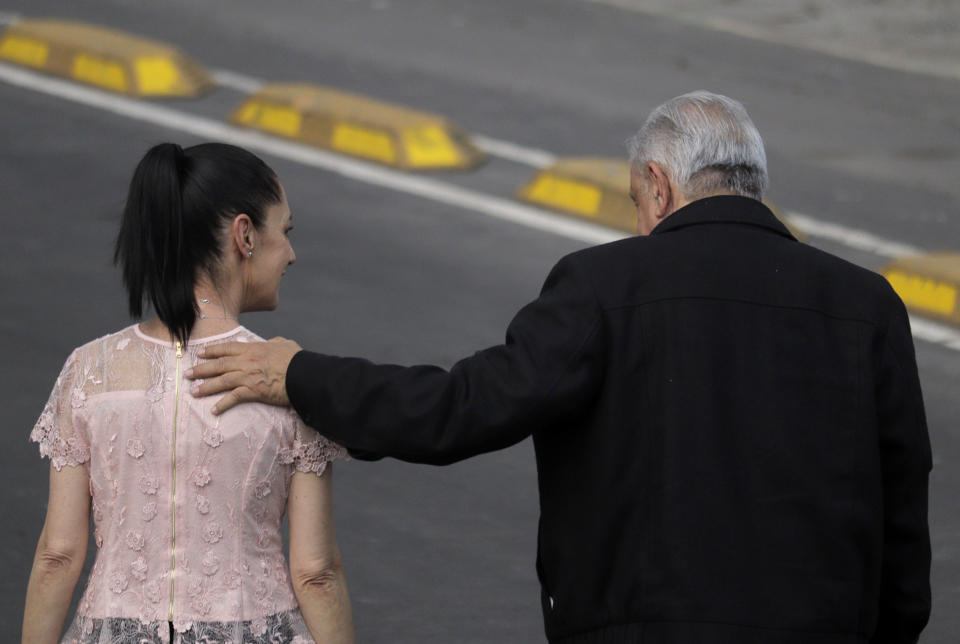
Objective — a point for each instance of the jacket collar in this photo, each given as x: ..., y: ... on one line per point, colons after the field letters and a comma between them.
x: 723, y: 209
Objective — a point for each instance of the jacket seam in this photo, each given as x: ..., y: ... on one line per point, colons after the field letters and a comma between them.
x: 597, y: 317
x: 576, y: 353
x: 770, y: 228
x: 714, y: 622
x: 741, y: 301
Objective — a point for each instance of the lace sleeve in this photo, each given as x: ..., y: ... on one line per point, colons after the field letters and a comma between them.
x: 310, y: 451
x: 58, y: 438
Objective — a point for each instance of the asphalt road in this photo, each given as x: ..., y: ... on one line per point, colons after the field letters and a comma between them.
x: 446, y: 554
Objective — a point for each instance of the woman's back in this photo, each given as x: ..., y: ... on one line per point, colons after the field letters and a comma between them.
x: 187, y: 505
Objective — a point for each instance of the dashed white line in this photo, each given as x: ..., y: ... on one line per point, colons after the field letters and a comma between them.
x: 425, y: 187
x: 851, y: 237
x: 9, y: 18
x: 514, y: 152
x: 239, y: 82
x: 935, y: 332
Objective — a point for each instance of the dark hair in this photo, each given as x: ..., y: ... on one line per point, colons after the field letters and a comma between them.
x: 173, y: 220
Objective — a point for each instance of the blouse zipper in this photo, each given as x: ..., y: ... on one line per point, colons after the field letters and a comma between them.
x: 173, y: 480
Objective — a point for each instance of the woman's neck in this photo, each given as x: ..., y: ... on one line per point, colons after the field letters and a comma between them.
x: 218, y: 313
x: 217, y: 302
x: 155, y: 328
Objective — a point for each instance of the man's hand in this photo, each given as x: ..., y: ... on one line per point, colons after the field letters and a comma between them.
x: 254, y: 371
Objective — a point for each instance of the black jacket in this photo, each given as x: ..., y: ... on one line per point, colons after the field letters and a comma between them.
x: 729, y: 431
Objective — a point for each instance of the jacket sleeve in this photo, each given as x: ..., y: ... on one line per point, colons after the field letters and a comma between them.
x: 548, y: 367
x: 906, y: 461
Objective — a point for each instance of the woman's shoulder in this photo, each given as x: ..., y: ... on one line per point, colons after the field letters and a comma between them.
x: 246, y: 335
x: 97, y: 347
x: 122, y: 338
x: 238, y: 333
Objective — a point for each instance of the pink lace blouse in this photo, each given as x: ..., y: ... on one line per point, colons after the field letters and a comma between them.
x: 187, y: 506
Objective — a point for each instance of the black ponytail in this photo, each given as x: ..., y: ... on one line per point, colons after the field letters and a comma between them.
x: 178, y: 204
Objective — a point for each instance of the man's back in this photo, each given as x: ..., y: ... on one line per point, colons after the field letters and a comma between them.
x: 759, y: 405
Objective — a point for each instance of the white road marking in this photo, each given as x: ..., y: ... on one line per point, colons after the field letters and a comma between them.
x: 239, y: 82
x: 851, y: 237
x: 9, y: 17
x: 514, y: 152
x: 935, y: 332
x: 425, y: 187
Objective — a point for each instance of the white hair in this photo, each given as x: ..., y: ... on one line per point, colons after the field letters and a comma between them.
x: 705, y: 143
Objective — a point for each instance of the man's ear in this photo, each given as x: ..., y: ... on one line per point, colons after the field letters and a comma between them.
x: 243, y: 235
x: 663, y: 193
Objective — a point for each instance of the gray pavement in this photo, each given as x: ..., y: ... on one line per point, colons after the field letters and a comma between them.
x: 849, y: 141
x: 446, y: 554
x: 921, y: 36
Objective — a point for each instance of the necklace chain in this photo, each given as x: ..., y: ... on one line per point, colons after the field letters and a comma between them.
x: 204, y: 316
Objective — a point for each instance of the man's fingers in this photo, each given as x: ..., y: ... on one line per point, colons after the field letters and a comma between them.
x: 254, y: 371
x: 225, y: 349
x: 226, y: 382
x: 212, y: 368
x: 235, y: 397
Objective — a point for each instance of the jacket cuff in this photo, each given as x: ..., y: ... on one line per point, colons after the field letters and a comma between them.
x: 297, y: 384
x: 304, y: 373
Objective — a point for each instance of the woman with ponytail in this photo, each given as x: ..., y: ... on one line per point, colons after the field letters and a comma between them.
x: 187, y: 505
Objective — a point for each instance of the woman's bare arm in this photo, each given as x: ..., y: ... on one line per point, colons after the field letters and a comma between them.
x: 315, y: 566
x: 61, y: 550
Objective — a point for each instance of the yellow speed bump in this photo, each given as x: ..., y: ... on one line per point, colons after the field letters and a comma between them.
x: 597, y: 189
x: 928, y: 284
x: 103, y: 57
x: 592, y: 188
x: 359, y: 126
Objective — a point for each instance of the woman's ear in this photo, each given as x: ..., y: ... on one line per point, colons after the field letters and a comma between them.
x: 243, y: 235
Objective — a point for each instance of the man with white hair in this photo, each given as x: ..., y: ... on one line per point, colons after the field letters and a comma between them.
x: 729, y: 429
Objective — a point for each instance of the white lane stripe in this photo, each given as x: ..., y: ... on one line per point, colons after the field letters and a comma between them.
x: 233, y: 80
x: 514, y: 152
x: 417, y: 185
x: 852, y: 237
x: 9, y: 18
x: 935, y: 332
x: 358, y: 170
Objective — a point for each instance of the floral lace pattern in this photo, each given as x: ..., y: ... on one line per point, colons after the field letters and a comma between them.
x: 54, y: 430
x: 272, y: 629
x: 187, y: 506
